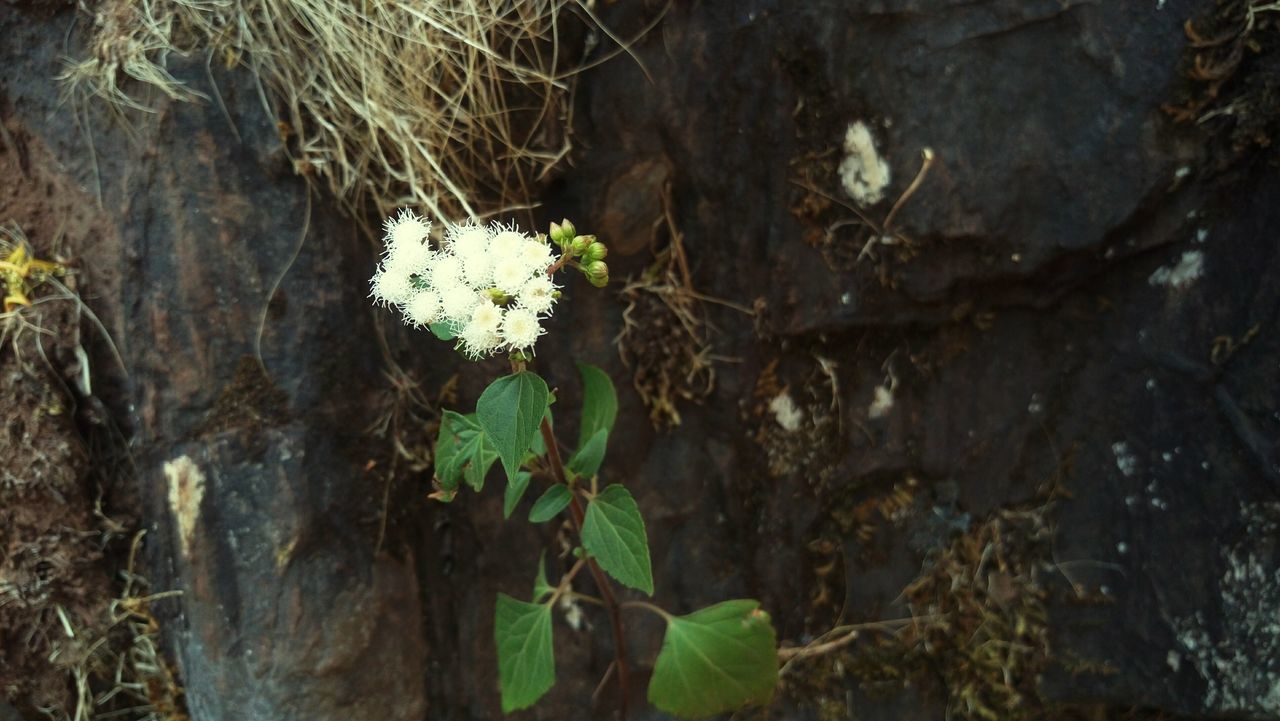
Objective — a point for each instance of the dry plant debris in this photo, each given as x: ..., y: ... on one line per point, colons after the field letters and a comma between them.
x: 72, y: 646
x: 979, y: 621
x: 1231, y: 61
x: 116, y: 663
x: 797, y: 424
x: 825, y: 216
x: 452, y: 106
x: 977, y: 631
x: 664, y: 336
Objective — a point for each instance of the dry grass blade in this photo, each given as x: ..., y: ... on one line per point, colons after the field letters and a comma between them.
x: 455, y: 107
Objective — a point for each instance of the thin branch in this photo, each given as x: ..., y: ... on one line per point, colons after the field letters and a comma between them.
x: 606, y: 591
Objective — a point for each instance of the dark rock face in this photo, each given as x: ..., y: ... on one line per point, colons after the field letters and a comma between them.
x: 249, y: 385
x: 1064, y: 299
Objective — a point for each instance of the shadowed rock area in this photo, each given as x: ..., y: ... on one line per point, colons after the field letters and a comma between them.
x: 1065, y: 310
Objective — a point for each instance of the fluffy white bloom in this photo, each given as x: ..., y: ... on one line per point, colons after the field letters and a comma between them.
x: 536, y: 295
x: 457, y: 283
x: 487, y: 316
x: 411, y: 256
x: 478, y: 270
x: 477, y: 341
x: 510, y: 274
x: 405, y: 236
x: 506, y: 243
x: 520, y: 328
x: 445, y: 272
x: 536, y: 255
x: 391, y: 285
x: 423, y: 308
x: 457, y: 302
x: 468, y: 241
x: 407, y: 227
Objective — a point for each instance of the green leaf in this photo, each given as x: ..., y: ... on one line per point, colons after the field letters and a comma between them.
x: 599, y: 403
x: 586, y: 461
x: 462, y: 452
x: 550, y: 503
x: 448, y: 468
x: 541, y: 588
x: 716, y: 660
x: 441, y: 331
x: 539, y: 448
x: 509, y: 411
x: 526, y: 658
x: 515, y: 491
x: 614, y: 533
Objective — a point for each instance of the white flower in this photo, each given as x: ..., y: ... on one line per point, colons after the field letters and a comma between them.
x: 506, y: 243
x: 477, y: 341
x: 457, y: 302
x: 477, y: 270
x: 423, y: 308
x: 412, y: 256
x: 536, y: 255
x: 520, y: 328
x: 455, y: 283
x: 391, y: 285
x: 405, y: 236
x: 445, y: 272
x: 468, y: 240
x: 407, y: 227
x: 487, y: 316
x: 536, y: 295
x: 510, y: 274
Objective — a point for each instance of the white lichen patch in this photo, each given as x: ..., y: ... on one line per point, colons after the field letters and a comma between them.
x: 1235, y: 653
x: 186, y: 491
x: 785, y: 412
x: 881, y: 402
x: 1180, y: 274
x: 1126, y: 461
x: 863, y: 172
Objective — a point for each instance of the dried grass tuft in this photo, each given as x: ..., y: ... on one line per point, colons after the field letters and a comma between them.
x: 453, y: 106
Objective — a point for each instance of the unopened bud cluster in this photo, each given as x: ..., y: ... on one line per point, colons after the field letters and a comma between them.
x: 488, y: 285
x: 585, y: 249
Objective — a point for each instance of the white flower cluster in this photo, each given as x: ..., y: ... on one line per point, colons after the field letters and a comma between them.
x: 489, y: 285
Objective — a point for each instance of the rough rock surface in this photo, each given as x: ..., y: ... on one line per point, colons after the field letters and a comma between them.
x: 1065, y: 299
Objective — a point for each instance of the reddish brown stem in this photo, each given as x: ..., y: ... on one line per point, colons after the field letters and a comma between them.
x: 602, y: 582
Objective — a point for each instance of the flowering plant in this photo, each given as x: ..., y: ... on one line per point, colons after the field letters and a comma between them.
x: 488, y: 289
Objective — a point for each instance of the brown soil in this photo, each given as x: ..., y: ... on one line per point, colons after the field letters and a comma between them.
x: 54, y: 580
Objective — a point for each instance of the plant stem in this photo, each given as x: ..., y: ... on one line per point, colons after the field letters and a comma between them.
x: 606, y: 591
x: 648, y: 607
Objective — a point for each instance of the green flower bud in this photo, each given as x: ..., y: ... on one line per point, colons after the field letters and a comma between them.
x: 579, y: 244
x: 595, y: 251
x: 567, y: 230
x: 558, y: 234
x: 597, y: 273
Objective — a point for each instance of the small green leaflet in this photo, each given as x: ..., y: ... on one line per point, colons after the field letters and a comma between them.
x: 613, y: 532
x: 599, y: 403
x: 541, y: 588
x: 509, y: 411
x: 462, y: 452
x: 441, y: 331
x: 526, y: 658
x: 539, y: 448
x: 586, y: 461
x: 716, y: 660
x: 515, y: 491
x: 550, y: 503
